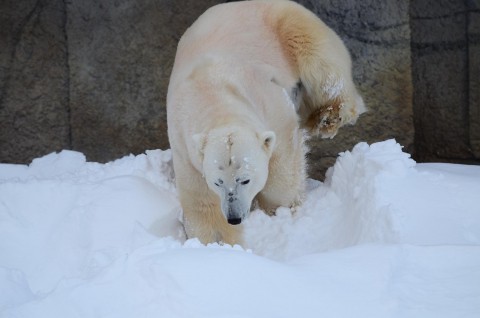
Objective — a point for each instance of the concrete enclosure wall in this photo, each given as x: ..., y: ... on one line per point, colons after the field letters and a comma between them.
x: 92, y: 75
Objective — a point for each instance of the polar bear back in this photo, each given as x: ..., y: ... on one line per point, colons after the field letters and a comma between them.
x: 239, y: 31
x: 233, y: 54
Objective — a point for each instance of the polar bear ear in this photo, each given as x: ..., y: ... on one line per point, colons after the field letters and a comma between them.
x: 268, y: 141
x: 199, y: 142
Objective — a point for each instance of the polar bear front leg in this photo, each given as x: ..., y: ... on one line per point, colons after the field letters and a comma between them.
x: 275, y: 196
x: 286, y: 182
x: 195, y: 220
x: 203, y: 219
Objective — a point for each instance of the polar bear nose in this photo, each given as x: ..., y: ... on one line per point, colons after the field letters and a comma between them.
x: 234, y: 221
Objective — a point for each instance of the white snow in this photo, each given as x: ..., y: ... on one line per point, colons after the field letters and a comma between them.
x: 381, y: 237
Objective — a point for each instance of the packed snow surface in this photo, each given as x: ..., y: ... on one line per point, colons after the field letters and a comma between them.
x: 381, y: 237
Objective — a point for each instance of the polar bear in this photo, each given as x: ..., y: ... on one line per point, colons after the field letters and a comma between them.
x: 249, y: 79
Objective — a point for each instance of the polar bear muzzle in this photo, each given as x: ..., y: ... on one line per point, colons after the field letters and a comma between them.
x: 234, y: 209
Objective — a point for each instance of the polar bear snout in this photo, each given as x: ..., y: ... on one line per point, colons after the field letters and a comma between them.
x: 234, y: 217
x: 234, y: 210
x: 234, y: 221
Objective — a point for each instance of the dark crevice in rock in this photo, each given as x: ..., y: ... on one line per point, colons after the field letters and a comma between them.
x: 67, y: 80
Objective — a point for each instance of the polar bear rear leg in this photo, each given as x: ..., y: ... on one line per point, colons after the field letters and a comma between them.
x: 323, y: 66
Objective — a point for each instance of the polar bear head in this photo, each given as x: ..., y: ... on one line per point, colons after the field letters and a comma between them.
x: 235, y: 166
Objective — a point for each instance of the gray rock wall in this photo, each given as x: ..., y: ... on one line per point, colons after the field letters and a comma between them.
x: 87, y: 75
x: 446, y: 75
x: 92, y: 75
x: 34, y: 116
x: 473, y: 38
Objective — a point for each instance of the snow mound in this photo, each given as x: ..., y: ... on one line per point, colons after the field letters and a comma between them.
x: 375, y: 194
x: 381, y: 237
x: 344, y: 211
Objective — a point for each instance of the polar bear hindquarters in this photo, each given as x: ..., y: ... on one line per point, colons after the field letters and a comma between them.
x: 323, y: 65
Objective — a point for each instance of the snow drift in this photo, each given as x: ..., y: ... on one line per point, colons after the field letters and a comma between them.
x: 381, y: 237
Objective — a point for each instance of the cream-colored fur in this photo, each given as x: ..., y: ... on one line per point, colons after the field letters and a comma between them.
x: 236, y: 80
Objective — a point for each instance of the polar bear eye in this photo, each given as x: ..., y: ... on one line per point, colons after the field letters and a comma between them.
x: 220, y: 181
x: 245, y: 182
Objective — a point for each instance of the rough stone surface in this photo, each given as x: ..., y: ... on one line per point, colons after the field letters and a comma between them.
x: 441, y: 63
x: 34, y: 117
x: 377, y: 35
x: 474, y: 74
